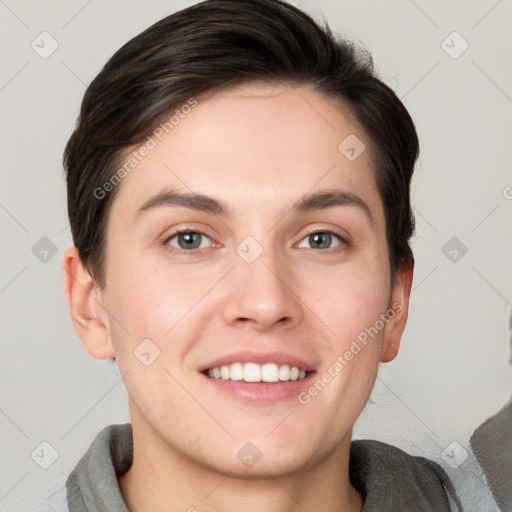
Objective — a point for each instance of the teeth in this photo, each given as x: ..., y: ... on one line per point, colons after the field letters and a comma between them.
x: 270, y: 373
x: 284, y: 372
x: 236, y: 371
x: 252, y: 372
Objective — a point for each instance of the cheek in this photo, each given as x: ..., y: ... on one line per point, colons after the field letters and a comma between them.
x: 150, y: 302
x: 350, y: 298
x: 352, y: 312
x: 350, y: 303
x: 151, y: 310
x: 356, y: 339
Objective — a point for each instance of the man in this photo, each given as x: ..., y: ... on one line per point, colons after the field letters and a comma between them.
x: 238, y: 193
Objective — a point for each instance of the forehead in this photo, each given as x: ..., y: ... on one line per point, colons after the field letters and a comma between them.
x: 253, y: 145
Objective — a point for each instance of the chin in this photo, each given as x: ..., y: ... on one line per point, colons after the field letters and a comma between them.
x: 254, y: 464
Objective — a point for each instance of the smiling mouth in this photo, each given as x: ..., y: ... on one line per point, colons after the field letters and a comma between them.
x: 254, y: 373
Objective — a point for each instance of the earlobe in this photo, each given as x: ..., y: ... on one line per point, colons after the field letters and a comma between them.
x: 84, y: 299
x: 399, y: 303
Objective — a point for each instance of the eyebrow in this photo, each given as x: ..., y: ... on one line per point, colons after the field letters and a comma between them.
x: 200, y: 202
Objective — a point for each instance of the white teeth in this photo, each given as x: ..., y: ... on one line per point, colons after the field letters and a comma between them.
x: 237, y: 371
x: 252, y: 372
x: 284, y: 372
x: 269, y: 373
x: 224, y: 372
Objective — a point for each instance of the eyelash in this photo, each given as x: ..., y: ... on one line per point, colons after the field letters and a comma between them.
x: 198, y: 252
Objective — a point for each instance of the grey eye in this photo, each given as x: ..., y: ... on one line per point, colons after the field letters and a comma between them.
x: 322, y: 239
x: 187, y: 240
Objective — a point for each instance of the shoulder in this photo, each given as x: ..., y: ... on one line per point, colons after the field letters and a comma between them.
x: 95, y: 477
x: 391, y: 479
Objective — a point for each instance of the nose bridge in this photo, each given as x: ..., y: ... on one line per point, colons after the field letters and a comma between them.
x: 261, y: 286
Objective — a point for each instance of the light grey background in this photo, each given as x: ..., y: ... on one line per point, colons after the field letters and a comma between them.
x: 452, y: 371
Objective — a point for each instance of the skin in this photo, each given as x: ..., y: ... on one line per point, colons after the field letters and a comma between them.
x: 258, y: 149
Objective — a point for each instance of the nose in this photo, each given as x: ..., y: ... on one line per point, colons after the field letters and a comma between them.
x: 262, y: 293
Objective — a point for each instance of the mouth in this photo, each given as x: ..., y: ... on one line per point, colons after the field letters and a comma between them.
x: 257, y: 377
x: 253, y: 372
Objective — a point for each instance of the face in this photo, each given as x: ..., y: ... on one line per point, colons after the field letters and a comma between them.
x: 252, y: 277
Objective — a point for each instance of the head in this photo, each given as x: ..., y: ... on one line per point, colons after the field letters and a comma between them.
x: 251, y: 103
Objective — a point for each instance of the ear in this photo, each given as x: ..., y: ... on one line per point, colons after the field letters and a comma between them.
x: 85, y: 301
x: 399, y: 304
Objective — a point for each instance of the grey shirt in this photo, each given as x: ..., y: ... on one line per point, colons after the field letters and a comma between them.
x: 387, y: 477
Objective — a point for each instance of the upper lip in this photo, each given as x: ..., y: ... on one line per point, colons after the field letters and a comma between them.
x: 246, y: 356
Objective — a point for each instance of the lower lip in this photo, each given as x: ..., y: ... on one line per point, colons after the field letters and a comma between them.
x: 260, y: 392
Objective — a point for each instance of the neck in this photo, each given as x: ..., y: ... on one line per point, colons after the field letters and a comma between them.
x: 164, y: 479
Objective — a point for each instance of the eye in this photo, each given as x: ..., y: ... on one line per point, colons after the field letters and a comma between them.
x: 323, y: 239
x: 189, y: 241
x: 192, y: 241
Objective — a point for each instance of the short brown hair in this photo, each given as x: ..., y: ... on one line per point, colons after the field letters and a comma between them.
x: 216, y: 44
